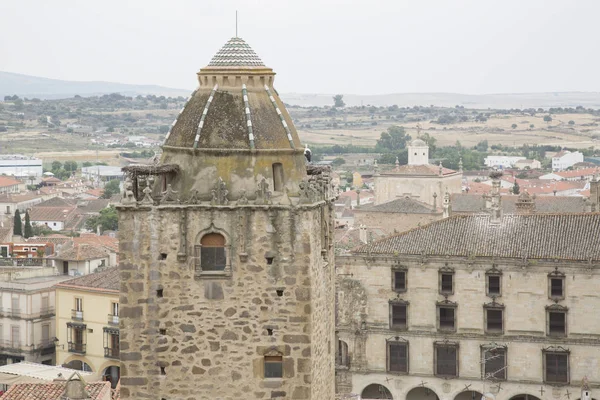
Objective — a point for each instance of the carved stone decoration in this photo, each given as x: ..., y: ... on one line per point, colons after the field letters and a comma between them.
x: 243, y: 200
x: 285, y: 199
x: 128, y: 197
x: 219, y: 193
x: 194, y: 198
x: 305, y: 194
x: 147, y: 200
x: 169, y: 195
x: 263, y: 195
x: 182, y: 252
x: 446, y: 387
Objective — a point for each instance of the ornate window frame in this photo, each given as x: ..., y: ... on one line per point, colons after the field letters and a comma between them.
x: 561, y: 351
x: 446, y: 271
x: 397, y: 340
x: 493, y: 272
x: 227, y: 272
x: 446, y: 304
x: 491, y: 348
x: 267, y: 356
x: 556, y: 274
x: 403, y: 269
x: 556, y: 308
x: 442, y: 344
x: 496, y: 307
x: 398, y: 302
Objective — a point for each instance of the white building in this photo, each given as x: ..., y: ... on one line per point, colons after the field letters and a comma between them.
x: 102, y: 172
x: 501, y: 161
x: 565, y: 159
x: 528, y: 164
x: 21, y: 166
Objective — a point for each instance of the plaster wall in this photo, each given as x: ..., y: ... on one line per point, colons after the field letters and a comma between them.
x: 422, y: 188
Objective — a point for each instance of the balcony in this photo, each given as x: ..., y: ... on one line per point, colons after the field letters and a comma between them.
x: 18, y: 313
x: 23, y: 262
x: 11, y: 346
x: 111, y: 352
x: 113, y: 320
x: 77, y: 315
x: 75, y: 347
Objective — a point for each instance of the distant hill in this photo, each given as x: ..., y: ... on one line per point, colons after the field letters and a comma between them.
x: 45, y: 88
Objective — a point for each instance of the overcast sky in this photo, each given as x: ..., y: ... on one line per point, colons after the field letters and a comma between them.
x: 315, y: 46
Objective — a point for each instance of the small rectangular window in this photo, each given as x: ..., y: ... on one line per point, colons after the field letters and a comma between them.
x: 446, y: 360
x: 398, y: 316
x: 399, y: 281
x: 447, y: 317
x: 557, y: 323
x: 273, y: 367
x: 446, y: 283
x: 493, y: 285
x: 556, y: 287
x: 278, y: 181
x: 556, y: 367
x: 494, y: 321
x: 398, y: 357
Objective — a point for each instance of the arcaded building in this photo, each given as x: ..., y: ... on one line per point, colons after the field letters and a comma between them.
x: 226, y: 251
x: 497, y: 304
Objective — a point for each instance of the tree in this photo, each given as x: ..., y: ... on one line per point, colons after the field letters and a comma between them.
x: 394, y: 139
x: 338, y: 161
x: 514, y: 126
x: 547, y: 118
x: 430, y: 141
x: 107, y: 218
x: 28, y: 228
x: 56, y: 166
x: 338, y: 100
x: 86, y: 164
x: 571, y: 122
x: 18, y: 224
x: 111, y: 188
x: 71, y: 166
x: 516, y: 189
x: 482, y: 146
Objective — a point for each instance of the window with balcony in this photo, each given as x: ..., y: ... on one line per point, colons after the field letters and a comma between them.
x: 113, y: 317
x: 493, y: 363
x: 556, y: 365
x: 397, y: 355
x: 446, y: 359
x: 111, y: 343
x: 446, y: 315
x: 76, y: 338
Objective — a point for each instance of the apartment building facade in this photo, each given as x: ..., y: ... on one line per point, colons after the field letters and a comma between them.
x: 87, y: 324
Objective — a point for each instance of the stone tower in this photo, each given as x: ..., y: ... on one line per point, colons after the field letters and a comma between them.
x: 226, y: 251
x: 418, y: 153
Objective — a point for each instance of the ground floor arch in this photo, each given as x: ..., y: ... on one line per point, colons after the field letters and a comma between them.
x: 112, y: 374
x: 376, y: 391
x: 469, y: 395
x: 422, y: 393
x: 79, y: 365
x: 524, y: 397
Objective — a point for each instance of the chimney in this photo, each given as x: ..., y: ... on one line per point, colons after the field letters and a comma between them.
x: 525, y: 203
x: 495, y: 199
x: 75, y: 389
x: 362, y: 234
x: 98, y: 229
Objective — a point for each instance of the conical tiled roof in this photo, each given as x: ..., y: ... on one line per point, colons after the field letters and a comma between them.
x: 236, y: 53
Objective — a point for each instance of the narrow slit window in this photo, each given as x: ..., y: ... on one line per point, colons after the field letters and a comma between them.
x: 278, y: 181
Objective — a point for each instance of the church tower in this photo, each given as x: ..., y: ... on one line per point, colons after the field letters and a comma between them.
x: 418, y: 153
x: 226, y: 250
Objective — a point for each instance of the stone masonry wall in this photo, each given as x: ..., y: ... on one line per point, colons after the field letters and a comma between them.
x: 206, y: 337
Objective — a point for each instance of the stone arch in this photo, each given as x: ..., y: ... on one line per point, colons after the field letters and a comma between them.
x: 78, y: 363
x: 111, y: 373
x: 524, y: 396
x: 343, y: 358
x: 213, y: 230
x: 422, y: 392
x: 376, y: 391
x: 468, y: 395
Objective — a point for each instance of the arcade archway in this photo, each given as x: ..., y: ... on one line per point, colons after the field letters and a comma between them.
x: 376, y: 391
x: 524, y: 397
x: 422, y: 393
x: 112, y: 374
x: 469, y: 395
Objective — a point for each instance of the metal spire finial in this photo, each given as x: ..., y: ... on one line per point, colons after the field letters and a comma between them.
x: 236, y: 20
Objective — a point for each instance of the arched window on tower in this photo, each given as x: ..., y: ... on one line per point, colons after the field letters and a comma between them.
x: 278, y: 177
x: 212, y: 252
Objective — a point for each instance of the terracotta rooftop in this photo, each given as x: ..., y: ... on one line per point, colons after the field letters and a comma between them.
x: 62, y: 214
x: 537, y: 236
x: 107, y: 280
x: 403, y: 205
x: 6, y: 181
x: 107, y: 242
x: 82, y: 252
x: 474, y: 203
x: 95, y: 192
x: 236, y: 53
x: 578, y: 173
x: 52, y: 391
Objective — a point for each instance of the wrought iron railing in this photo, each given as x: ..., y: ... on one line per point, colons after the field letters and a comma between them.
x: 77, y: 315
x: 111, y: 352
x: 75, y: 347
x: 113, y: 320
